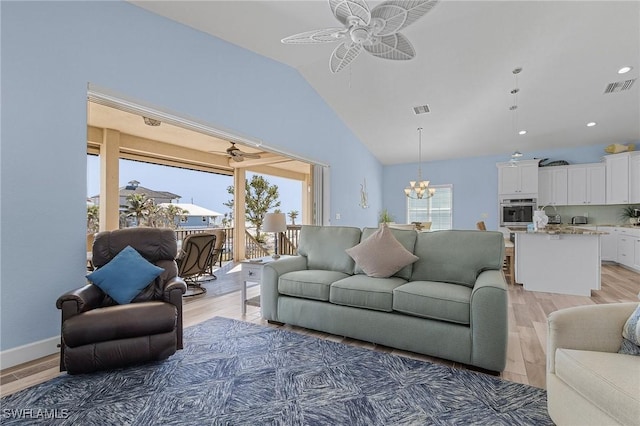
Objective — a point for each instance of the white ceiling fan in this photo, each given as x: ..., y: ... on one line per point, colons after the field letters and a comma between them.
x: 236, y: 154
x: 375, y: 31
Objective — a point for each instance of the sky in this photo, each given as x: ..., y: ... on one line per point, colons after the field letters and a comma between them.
x: 203, y: 189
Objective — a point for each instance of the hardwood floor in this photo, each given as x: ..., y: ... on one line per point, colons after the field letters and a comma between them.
x: 527, y: 326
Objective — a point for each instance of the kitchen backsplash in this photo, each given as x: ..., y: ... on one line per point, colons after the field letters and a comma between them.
x: 598, y: 215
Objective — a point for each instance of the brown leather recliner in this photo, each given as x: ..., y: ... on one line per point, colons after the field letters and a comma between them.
x: 98, y: 334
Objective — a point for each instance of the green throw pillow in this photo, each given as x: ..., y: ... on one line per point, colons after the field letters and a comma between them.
x: 125, y: 275
x: 631, y: 334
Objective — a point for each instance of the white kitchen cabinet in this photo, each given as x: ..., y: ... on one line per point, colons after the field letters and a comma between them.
x: 586, y: 184
x: 552, y: 186
x: 609, y: 243
x: 519, y: 180
x: 625, y: 250
x: 539, y: 268
x: 545, y: 189
x: 634, y: 178
x: 627, y: 246
x: 617, y: 166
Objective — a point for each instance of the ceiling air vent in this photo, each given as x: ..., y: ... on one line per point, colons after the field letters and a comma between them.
x: 422, y: 109
x: 619, y: 86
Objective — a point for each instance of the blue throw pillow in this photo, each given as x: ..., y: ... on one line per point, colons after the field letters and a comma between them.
x: 125, y: 275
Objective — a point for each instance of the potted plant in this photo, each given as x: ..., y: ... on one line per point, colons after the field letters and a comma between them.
x: 385, y: 217
x: 630, y: 214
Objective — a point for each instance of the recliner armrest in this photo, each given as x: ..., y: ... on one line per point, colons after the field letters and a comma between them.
x: 174, y: 284
x: 85, y: 298
x: 173, y: 291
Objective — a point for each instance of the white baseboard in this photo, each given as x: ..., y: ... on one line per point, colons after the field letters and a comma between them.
x: 29, y: 352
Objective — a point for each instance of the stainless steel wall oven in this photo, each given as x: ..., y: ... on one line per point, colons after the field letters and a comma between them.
x: 517, y: 212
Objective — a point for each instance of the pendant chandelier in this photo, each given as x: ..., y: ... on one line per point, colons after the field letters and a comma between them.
x: 419, y: 189
x: 515, y: 157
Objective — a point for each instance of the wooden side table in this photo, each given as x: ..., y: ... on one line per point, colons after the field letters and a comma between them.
x: 252, y: 273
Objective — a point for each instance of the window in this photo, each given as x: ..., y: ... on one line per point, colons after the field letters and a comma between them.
x: 438, y: 209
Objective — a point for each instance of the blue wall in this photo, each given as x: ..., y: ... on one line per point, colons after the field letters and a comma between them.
x: 50, y: 52
x: 474, y: 180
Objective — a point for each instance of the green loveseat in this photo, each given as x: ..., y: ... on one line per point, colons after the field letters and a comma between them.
x: 451, y: 303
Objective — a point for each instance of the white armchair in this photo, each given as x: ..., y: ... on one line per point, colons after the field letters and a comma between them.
x: 588, y: 382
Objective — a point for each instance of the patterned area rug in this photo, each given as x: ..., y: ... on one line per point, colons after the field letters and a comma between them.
x: 237, y: 373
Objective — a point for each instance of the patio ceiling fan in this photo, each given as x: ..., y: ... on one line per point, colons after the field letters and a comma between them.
x: 375, y: 31
x: 236, y: 154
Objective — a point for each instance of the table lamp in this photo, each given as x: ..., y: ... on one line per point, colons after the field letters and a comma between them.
x: 275, y: 222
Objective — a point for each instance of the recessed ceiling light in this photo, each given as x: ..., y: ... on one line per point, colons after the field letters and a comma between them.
x: 522, y: 132
x: 591, y: 124
x: 624, y: 70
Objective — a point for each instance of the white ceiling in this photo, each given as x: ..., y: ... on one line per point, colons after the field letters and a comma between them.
x: 466, y: 51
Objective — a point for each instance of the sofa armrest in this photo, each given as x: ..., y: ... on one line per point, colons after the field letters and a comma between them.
x: 590, y: 328
x: 269, y: 283
x: 489, y: 321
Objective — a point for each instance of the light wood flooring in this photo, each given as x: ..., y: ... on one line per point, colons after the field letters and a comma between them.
x: 527, y: 326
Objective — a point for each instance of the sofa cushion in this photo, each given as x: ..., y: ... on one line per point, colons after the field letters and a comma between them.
x: 407, y: 240
x: 309, y: 284
x: 324, y: 247
x: 457, y: 256
x: 609, y: 381
x: 631, y: 334
x: 434, y: 300
x: 366, y: 292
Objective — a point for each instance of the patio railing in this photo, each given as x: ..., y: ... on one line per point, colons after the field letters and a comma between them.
x: 253, y: 248
x: 227, y: 250
x: 287, y: 242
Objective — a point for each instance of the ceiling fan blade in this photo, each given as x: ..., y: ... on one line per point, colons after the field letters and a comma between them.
x: 394, y: 15
x: 343, y: 55
x: 218, y: 152
x: 345, y: 9
x: 326, y: 35
x: 250, y: 155
x: 395, y: 47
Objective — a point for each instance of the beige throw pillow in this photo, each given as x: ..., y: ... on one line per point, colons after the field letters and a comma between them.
x: 381, y: 255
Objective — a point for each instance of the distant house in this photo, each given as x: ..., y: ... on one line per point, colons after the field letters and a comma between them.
x: 197, y: 216
x: 133, y: 187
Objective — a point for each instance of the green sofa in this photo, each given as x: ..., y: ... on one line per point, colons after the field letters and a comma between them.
x: 451, y: 303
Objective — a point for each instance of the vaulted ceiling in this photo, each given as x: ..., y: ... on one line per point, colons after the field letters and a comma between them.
x: 569, y: 52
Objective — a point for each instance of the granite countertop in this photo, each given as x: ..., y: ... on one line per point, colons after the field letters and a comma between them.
x: 563, y: 229
x: 617, y: 225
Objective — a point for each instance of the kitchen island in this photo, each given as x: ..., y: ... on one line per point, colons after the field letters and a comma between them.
x: 559, y: 259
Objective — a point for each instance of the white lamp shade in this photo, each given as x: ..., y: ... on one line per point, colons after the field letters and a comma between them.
x: 274, y: 222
